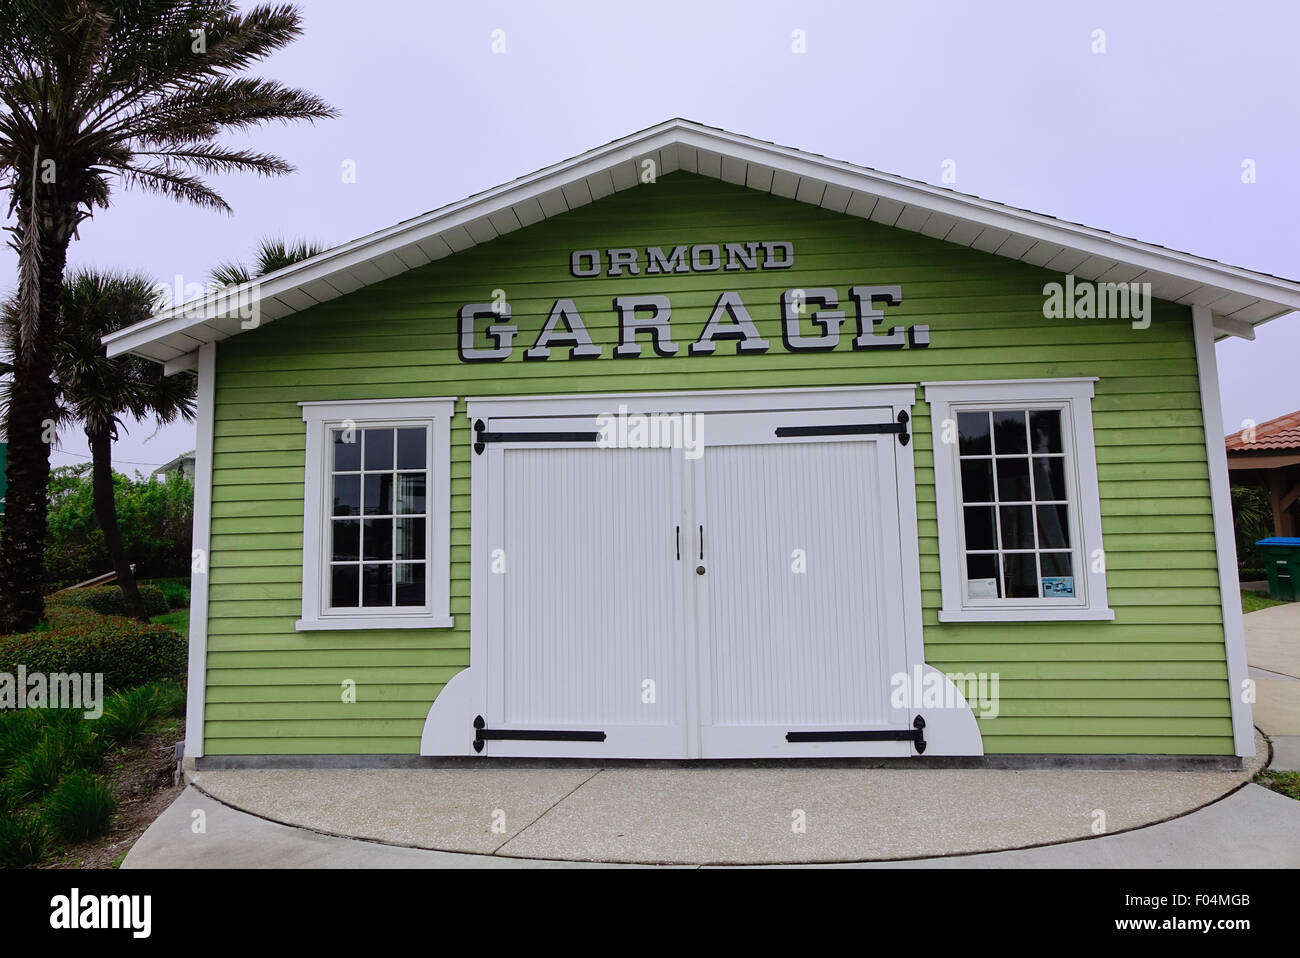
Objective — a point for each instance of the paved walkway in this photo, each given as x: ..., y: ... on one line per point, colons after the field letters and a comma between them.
x: 1273, y: 653
x: 1251, y: 828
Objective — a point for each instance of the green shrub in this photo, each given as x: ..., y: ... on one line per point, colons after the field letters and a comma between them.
x: 80, y: 808
x: 128, y: 714
x: 155, y: 516
x: 35, y: 773
x: 24, y: 840
x: 175, y: 591
x: 109, y: 600
x: 20, y: 730
x: 168, y: 697
x: 128, y: 653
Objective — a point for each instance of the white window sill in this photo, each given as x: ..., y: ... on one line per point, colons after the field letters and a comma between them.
x: 336, y: 623
x: 1026, y: 615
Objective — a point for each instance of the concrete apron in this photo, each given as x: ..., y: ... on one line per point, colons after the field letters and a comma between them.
x: 716, y: 815
x: 1273, y: 651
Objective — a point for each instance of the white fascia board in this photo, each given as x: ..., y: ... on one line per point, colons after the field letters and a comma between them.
x: 375, y: 245
x: 997, y: 216
x: 674, y: 132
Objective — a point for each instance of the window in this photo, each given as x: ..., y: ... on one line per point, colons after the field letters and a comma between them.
x: 1016, y: 499
x: 376, y: 517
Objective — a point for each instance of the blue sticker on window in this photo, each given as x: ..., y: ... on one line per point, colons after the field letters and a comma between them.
x: 1058, y: 586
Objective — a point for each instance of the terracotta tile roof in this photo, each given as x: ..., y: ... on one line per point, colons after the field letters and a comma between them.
x: 1280, y: 433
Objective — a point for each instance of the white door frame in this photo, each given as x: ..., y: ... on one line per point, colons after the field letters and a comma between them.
x: 449, y: 727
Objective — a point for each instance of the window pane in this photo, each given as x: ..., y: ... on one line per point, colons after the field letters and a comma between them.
x: 1013, y: 480
x: 1058, y: 575
x: 377, y: 542
x: 1020, y: 572
x: 1049, y: 478
x: 977, y: 480
x: 410, y: 448
x: 1045, y: 429
x: 379, y: 448
x: 1017, y: 527
x: 1053, y: 527
x: 379, y: 494
x: 347, y: 455
x: 347, y: 495
x: 982, y: 577
x: 347, y: 540
x: 1009, y: 433
x: 410, y: 539
x: 410, y: 493
x: 973, y: 433
x: 410, y: 583
x: 377, y: 585
x: 980, y: 531
x: 344, y: 580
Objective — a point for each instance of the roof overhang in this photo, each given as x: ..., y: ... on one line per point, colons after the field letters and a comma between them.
x: 1238, y: 299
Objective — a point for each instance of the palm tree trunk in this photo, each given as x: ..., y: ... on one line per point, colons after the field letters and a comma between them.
x: 29, y: 426
x: 101, y: 484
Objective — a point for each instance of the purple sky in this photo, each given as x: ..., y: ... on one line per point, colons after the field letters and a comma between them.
x: 1146, y: 139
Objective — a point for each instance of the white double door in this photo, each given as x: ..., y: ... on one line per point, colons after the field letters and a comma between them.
x: 696, y: 605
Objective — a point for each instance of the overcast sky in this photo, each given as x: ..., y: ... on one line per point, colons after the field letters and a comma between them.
x: 1146, y: 139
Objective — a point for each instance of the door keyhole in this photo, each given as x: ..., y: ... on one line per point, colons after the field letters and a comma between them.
x: 699, y: 570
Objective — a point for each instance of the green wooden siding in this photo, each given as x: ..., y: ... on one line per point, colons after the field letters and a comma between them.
x: 1154, y: 680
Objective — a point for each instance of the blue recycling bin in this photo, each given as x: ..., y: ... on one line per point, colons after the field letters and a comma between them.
x: 1282, y: 562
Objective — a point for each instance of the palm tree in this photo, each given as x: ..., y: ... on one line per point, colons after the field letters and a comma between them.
x: 96, y: 93
x: 97, y: 391
x: 272, y: 254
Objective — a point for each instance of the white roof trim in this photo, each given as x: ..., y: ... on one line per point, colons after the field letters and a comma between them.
x: 1243, y: 298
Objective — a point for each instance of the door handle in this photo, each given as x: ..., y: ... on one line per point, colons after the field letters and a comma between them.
x: 701, y: 544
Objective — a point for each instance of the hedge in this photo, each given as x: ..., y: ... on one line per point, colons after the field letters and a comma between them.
x: 109, y: 600
x: 127, y: 652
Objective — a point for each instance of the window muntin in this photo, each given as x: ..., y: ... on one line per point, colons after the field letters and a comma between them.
x: 1019, y: 539
x: 379, y: 523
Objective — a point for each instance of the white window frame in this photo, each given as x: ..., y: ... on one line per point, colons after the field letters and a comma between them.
x: 320, y: 418
x: 1074, y: 398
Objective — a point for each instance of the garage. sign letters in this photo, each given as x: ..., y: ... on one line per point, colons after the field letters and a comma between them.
x: 811, y: 320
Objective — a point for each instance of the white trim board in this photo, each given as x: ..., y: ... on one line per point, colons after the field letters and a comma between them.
x: 1225, y: 540
x: 318, y: 418
x: 1244, y: 298
x: 197, y: 685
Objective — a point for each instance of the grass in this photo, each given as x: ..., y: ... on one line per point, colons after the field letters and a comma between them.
x: 1250, y: 601
x: 1285, y: 783
x: 178, y: 620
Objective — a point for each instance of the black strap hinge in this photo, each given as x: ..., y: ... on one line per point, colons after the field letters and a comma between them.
x: 482, y: 437
x: 484, y: 734
x: 915, y: 735
x: 899, y: 428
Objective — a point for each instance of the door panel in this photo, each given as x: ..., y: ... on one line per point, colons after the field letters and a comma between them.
x: 800, y: 624
x: 590, y: 599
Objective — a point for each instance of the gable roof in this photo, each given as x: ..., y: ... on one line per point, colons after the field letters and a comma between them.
x: 1238, y: 298
x: 1277, y: 434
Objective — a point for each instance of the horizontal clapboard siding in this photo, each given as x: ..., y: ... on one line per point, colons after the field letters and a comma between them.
x: 1154, y: 680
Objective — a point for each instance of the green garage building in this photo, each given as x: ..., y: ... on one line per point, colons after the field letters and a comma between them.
x: 694, y: 446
